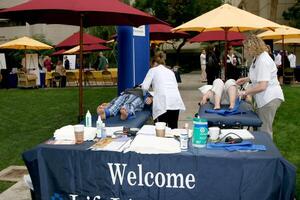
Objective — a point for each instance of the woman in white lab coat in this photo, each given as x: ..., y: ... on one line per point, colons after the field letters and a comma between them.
x: 167, y: 101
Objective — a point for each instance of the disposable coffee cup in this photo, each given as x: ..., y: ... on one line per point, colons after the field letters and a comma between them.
x: 214, y: 133
x: 79, y: 133
x: 160, y: 128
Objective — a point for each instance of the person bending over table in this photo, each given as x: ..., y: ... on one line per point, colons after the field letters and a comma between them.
x: 129, y: 102
x: 166, y: 100
x: 220, y: 93
x: 265, y: 85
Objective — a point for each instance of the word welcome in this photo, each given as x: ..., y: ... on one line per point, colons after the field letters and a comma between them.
x: 119, y: 173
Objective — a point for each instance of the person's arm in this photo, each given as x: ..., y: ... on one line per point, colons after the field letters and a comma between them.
x: 260, y: 87
x: 147, y: 81
x: 242, y: 81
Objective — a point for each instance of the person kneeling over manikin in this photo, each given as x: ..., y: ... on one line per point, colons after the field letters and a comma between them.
x: 129, y: 102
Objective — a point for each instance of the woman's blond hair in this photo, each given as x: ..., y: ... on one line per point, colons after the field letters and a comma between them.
x: 255, y: 45
x: 159, y: 58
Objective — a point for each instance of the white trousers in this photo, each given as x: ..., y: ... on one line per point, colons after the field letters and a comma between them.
x: 221, y: 89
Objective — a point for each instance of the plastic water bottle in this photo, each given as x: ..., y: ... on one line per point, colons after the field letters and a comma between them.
x: 88, y: 119
x: 200, y: 132
x: 103, y: 131
x: 99, y: 125
x: 184, y: 138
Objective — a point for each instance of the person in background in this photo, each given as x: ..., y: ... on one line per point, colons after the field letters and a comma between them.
x: 48, y: 63
x: 292, y: 59
x: 66, y: 63
x: 62, y: 72
x: 102, y: 62
x: 270, y: 52
x: 212, y: 65
x: 278, y: 62
x: 220, y: 93
x: 167, y: 101
x: 265, y: 87
x: 232, y: 63
x: 203, y: 65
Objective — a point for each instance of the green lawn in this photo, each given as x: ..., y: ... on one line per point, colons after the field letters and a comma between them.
x: 29, y: 117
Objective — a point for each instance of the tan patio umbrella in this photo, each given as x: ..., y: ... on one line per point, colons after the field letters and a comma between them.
x: 25, y: 43
x: 227, y: 17
x: 289, y: 41
x: 282, y: 33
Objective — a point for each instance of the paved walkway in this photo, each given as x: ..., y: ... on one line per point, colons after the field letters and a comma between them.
x: 190, y: 95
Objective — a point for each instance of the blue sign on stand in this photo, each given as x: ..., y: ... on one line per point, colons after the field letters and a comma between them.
x: 133, y: 56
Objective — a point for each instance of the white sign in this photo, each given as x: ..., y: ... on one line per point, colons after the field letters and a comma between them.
x: 72, y: 60
x: 32, y: 65
x: 139, y: 31
x: 2, y: 61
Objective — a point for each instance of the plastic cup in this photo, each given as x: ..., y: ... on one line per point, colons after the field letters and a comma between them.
x: 214, y: 133
x: 160, y: 129
x: 79, y: 133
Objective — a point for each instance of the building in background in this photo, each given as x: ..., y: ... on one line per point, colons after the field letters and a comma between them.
x: 53, y: 33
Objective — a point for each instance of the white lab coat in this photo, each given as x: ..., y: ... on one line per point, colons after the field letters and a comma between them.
x: 165, y: 88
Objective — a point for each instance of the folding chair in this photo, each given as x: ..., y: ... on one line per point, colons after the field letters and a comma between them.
x: 107, y: 77
x: 71, y: 77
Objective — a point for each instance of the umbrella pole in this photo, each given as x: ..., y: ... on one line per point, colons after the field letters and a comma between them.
x: 283, y: 56
x: 80, y: 117
x: 226, y: 50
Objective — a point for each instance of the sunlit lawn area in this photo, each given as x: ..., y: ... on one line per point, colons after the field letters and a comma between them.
x: 29, y: 117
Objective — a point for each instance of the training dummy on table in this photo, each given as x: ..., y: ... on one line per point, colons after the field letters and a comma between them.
x: 130, y: 101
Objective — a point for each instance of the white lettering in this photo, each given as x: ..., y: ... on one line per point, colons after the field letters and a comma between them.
x: 112, y: 198
x: 131, y: 175
x: 118, y: 172
x: 97, y: 197
x: 175, y: 180
x: 147, y: 179
x: 163, y: 179
x: 168, y: 180
x: 73, y: 196
x: 140, y: 175
x: 190, y: 178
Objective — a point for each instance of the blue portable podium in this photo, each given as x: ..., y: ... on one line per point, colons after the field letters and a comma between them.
x: 133, y: 56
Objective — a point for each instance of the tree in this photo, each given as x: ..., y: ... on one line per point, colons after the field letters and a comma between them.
x: 293, y: 15
x: 177, y: 12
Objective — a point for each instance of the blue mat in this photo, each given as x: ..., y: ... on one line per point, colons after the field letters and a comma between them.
x: 137, y: 122
x: 246, y: 117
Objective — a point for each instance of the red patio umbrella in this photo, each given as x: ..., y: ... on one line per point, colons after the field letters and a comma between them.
x: 73, y: 40
x: 59, y: 52
x: 163, y: 32
x: 217, y: 35
x: 81, y: 13
x: 87, y: 48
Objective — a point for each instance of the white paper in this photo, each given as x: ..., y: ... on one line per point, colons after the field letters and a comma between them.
x: 243, y: 133
x: 110, y: 130
x: 67, y: 133
x: 118, y: 144
x: 147, y: 144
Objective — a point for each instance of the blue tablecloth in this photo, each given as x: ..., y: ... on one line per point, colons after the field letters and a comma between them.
x: 62, y: 172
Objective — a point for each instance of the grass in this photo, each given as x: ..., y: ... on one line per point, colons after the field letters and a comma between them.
x: 29, y: 117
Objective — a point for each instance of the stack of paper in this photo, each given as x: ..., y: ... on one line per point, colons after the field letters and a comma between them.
x: 109, y: 144
x: 147, y: 144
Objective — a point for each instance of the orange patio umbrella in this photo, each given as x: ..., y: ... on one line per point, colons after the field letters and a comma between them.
x: 227, y: 18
